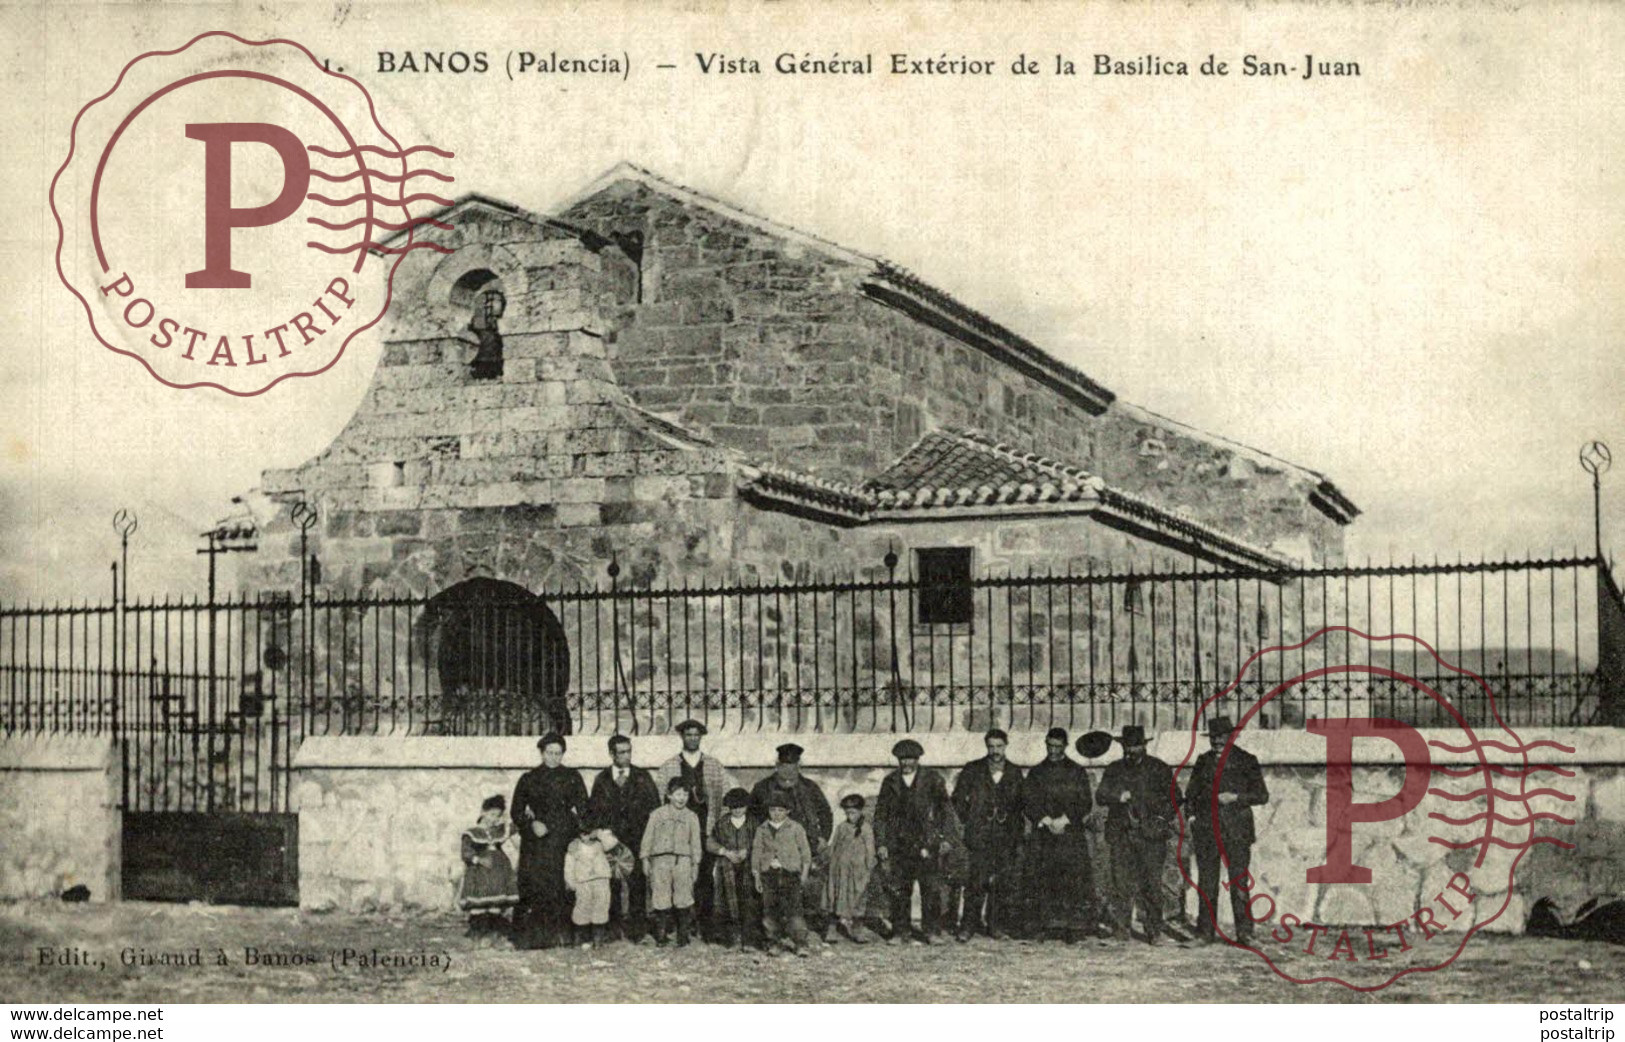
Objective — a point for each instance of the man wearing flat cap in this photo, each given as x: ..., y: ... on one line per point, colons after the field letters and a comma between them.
x: 1056, y: 800
x: 547, y: 808
x: 1235, y: 791
x: 914, y: 823
x: 1138, y: 791
x: 707, y: 782
x: 809, y: 808
x: 988, y: 799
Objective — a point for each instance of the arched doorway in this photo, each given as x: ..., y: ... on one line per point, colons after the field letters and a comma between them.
x: 502, y: 660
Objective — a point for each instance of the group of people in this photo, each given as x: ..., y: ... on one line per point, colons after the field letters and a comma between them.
x: 678, y: 852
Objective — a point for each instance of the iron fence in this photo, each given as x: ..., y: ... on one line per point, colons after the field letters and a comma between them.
x: 241, y: 681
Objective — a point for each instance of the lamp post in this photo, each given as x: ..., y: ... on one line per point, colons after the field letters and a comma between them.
x: 1595, y: 459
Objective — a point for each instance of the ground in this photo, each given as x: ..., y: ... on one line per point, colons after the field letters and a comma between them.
x: 1491, y: 969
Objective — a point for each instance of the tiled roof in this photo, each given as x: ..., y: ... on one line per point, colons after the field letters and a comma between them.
x: 833, y: 497
x: 947, y: 473
x: 968, y: 468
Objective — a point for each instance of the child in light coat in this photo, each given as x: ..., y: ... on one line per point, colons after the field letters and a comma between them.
x: 671, y: 850
x: 587, y: 872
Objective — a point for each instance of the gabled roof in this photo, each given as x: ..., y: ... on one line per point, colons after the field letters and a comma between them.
x: 964, y: 474
x: 886, y: 283
x: 474, y: 201
x: 625, y: 171
x: 901, y: 289
x: 1325, y: 497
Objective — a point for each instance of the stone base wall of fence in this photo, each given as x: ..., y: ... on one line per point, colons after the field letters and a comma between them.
x: 380, y: 817
x: 59, y: 816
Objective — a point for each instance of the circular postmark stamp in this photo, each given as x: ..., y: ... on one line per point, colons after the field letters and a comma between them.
x: 231, y: 212
x: 1408, y: 804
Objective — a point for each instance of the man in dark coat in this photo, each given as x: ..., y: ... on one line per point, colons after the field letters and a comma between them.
x: 1237, y: 790
x: 1139, y: 792
x: 1056, y: 800
x: 987, y: 796
x: 914, y: 819
x: 810, y: 809
x: 623, y: 797
x: 547, y: 807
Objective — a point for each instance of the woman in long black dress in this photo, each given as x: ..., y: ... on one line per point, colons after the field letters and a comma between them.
x: 547, y: 806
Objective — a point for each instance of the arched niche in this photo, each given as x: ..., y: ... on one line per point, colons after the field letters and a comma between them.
x: 501, y: 658
x: 479, y: 293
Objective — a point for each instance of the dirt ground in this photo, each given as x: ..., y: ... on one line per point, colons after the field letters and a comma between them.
x: 310, y: 966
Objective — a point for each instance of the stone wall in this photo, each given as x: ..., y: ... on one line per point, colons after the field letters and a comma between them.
x: 59, y: 816
x: 380, y: 817
x: 1409, y: 868
x: 540, y: 476
x: 772, y: 346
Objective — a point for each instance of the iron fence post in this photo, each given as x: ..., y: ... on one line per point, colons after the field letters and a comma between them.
x: 615, y: 642
x: 125, y: 524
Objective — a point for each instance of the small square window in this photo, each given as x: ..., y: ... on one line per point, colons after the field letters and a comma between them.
x: 946, y: 595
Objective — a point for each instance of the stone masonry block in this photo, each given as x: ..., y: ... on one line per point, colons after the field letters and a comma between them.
x: 577, y: 515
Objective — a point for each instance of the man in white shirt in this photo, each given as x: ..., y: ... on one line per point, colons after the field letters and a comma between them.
x: 623, y: 797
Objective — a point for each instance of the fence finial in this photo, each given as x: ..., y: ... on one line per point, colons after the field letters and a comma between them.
x: 124, y: 523
x: 1596, y: 459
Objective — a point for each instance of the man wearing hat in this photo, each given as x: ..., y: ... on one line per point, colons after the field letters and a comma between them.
x: 914, y: 820
x: 547, y: 807
x: 1236, y: 791
x: 623, y: 797
x: 707, y: 782
x: 1056, y: 800
x: 1139, y: 792
x: 809, y: 808
x: 987, y: 797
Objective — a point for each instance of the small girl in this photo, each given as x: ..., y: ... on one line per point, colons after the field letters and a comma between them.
x: 488, y: 889
x: 851, y: 860
x: 587, y: 872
